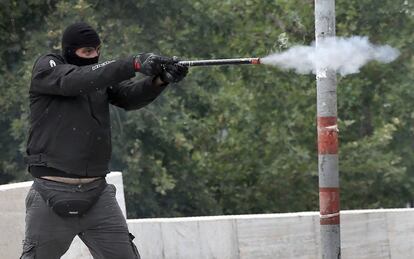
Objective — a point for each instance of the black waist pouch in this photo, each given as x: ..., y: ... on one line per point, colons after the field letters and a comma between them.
x: 69, y: 200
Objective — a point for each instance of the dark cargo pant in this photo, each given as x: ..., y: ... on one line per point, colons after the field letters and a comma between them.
x: 103, y: 228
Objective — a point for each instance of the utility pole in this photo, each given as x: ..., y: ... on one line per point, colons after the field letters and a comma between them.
x: 327, y: 138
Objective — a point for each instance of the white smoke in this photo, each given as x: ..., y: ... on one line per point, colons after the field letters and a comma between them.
x: 344, y: 55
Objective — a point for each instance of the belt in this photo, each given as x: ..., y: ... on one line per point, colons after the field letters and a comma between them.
x: 74, y: 181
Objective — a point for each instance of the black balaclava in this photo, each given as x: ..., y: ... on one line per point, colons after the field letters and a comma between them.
x: 76, y: 36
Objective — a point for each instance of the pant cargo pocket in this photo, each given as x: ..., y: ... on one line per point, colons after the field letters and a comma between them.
x: 134, y: 248
x: 29, y: 250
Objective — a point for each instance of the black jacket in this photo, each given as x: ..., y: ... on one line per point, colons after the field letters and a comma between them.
x: 69, y: 112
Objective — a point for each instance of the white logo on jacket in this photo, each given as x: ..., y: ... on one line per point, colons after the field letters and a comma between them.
x: 52, y: 63
x: 102, y: 64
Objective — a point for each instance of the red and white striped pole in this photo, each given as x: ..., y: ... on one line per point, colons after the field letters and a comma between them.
x: 327, y: 138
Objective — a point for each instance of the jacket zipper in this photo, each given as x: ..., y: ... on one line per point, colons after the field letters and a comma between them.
x: 90, y: 137
x: 91, y: 110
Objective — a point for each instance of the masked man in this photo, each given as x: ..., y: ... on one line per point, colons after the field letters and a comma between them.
x: 69, y: 145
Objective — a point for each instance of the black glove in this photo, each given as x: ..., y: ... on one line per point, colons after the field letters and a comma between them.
x: 151, y: 64
x: 173, y: 73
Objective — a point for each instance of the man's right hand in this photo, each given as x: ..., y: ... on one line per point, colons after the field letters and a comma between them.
x: 151, y: 64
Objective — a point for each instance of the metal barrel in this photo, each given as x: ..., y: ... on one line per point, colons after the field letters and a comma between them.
x: 220, y: 62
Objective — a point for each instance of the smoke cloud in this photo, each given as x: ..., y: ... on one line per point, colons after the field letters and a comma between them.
x: 344, y: 55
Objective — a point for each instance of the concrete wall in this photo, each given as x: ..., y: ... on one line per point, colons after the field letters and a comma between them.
x: 12, y: 204
x: 365, y: 234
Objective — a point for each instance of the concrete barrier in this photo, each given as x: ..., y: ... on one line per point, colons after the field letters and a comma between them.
x: 365, y: 234
x: 290, y: 235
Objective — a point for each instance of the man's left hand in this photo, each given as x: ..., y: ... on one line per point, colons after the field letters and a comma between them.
x: 173, y: 73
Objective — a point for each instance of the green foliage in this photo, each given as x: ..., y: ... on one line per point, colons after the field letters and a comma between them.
x: 229, y: 140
